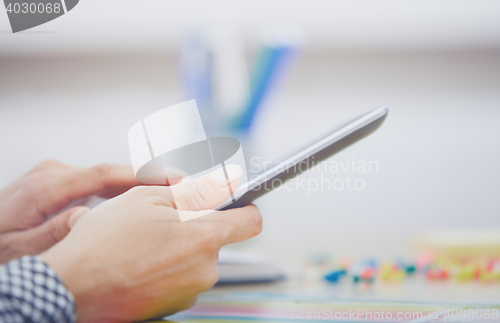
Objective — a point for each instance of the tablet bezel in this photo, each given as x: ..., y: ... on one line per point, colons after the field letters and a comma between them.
x: 341, y: 138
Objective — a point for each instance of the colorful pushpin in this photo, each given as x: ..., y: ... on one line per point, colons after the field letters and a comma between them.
x: 424, y: 259
x: 392, y: 272
x: 466, y: 273
x: 386, y: 271
x: 437, y: 274
x: 399, y: 275
x: 367, y: 274
x: 408, y: 267
x: 335, y: 276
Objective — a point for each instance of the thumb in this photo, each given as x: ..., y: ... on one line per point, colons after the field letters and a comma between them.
x: 75, y: 216
x: 52, y: 231
x: 208, y: 191
x: 238, y: 224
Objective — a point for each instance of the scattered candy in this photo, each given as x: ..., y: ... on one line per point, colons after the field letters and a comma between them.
x: 466, y: 273
x: 367, y: 273
x: 437, y: 274
x: 486, y: 270
x: 424, y: 259
x: 391, y: 272
x: 335, y: 276
x: 399, y: 275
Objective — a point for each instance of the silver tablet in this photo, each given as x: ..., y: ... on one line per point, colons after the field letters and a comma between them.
x: 341, y: 138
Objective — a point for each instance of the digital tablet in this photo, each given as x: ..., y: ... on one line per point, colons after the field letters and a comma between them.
x: 272, y: 178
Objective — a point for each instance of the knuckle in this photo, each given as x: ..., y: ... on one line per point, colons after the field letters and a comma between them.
x: 54, y: 232
x: 103, y: 169
x: 48, y: 163
x: 212, y: 244
x: 34, y: 182
x: 212, y: 276
x: 192, y: 302
x: 209, y: 277
x: 187, y: 304
x: 40, y: 176
x: 34, y: 186
x: 196, y: 194
x: 201, y: 192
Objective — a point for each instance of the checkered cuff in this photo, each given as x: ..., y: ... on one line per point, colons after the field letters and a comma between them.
x: 30, y: 291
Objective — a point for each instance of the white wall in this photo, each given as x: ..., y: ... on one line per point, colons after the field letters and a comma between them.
x: 127, y: 25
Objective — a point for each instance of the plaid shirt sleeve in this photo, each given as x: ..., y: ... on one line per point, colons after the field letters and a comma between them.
x: 30, y: 291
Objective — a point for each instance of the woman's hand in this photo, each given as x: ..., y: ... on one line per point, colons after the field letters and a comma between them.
x: 131, y: 258
x: 51, y: 186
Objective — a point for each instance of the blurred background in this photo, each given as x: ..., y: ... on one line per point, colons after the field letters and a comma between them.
x: 70, y: 90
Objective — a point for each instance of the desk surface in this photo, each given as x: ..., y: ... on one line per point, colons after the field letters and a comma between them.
x: 280, y: 301
x: 285, y: 301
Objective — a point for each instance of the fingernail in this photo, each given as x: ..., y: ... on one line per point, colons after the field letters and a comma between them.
x: 77, y: 215
x: 234, y: 173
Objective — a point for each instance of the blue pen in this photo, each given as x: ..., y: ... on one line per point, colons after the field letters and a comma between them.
x: 272, y: 63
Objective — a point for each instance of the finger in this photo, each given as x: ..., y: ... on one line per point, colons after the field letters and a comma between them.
x: 237, y: 225
x: 207, y: 192
x: 50, y: 232
x: 106, y: 180
x: 77, y: 215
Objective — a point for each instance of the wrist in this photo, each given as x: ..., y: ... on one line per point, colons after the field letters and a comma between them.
x: 80, y: 276
x: 66, y: 263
